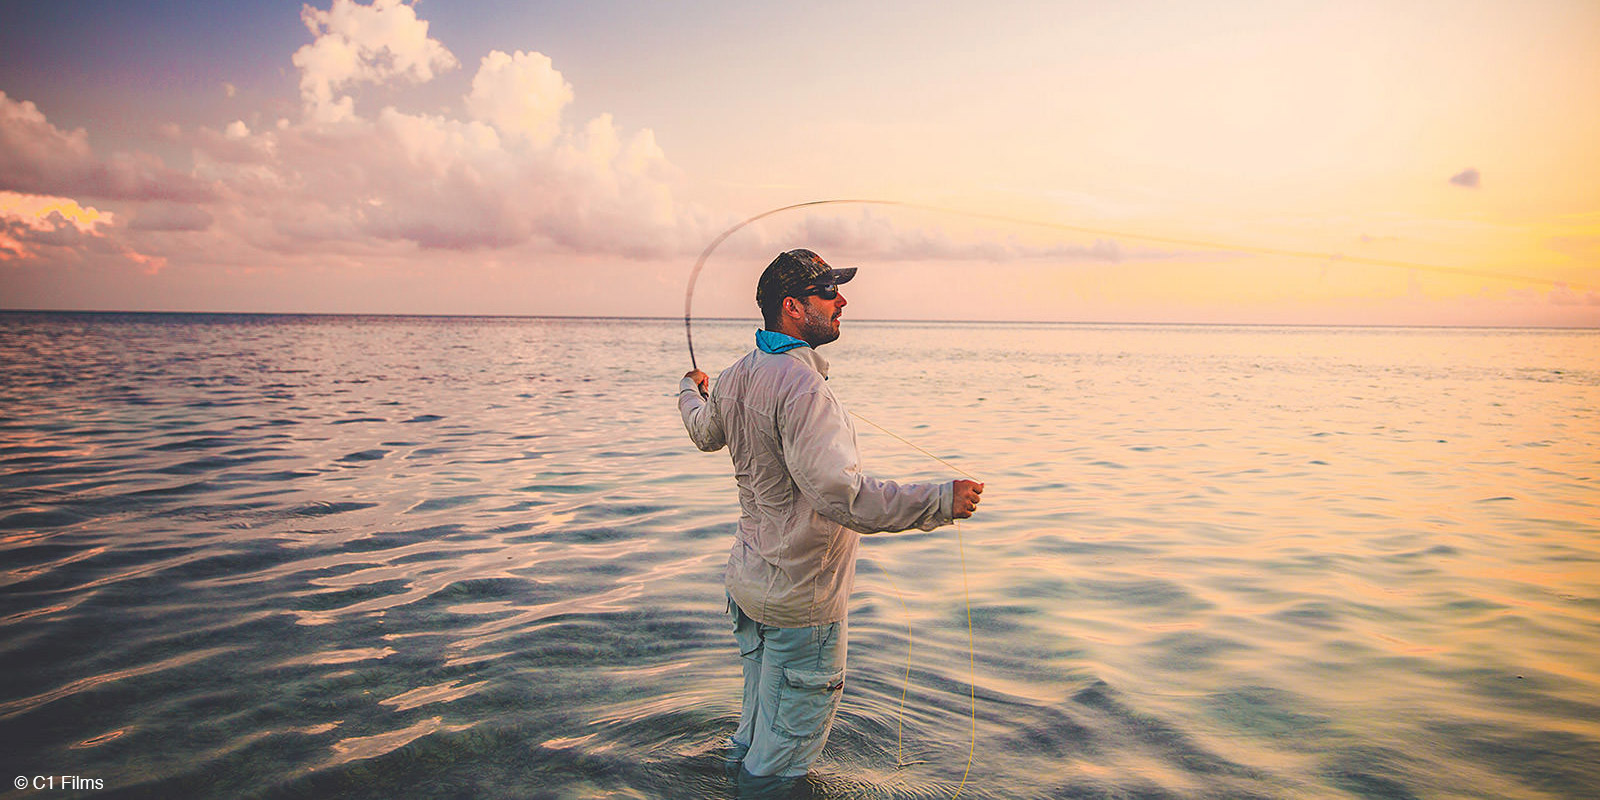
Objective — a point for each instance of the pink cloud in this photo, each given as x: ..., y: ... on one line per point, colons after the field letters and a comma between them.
x: 1564, y: 295
x: 871, y: 234
x: 170, y: 217
x: 1467, y: 178
x: 37, y: 157
x: 356, y: 44
x: 509, y: 172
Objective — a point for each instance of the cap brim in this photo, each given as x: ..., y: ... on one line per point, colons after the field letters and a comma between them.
x: 838, y: 276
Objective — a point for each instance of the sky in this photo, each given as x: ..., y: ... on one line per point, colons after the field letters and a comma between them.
x: 1077, y: 161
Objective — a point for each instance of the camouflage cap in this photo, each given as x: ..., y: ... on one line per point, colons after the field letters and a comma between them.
x: 794, y: 271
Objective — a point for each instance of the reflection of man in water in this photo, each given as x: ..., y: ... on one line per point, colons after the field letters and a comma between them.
x: 803, y: 504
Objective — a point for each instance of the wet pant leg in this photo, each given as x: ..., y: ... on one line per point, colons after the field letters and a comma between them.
x: 793, y: 681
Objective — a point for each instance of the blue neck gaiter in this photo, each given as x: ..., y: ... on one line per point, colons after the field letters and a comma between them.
x: 774, y: 342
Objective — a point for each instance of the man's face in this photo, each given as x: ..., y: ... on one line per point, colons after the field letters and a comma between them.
x: 821, y: 323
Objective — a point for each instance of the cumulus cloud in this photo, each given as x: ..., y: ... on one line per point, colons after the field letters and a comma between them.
x: 521, y: 95
x: 356, y: 44
x: 447, y: 183
x: 1467, y: 178
x: 509, y: 171
x: 37, y: 157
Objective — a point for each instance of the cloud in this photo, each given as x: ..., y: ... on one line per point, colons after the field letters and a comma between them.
x: 521, y: 95
x: 508, y: 171
x: 874, y: 235
x: 37, y: 207
x: 171, y: 217
x: 42, y: 228
x: 356, y: 44
x: 1467, y: 178
x: 448, y: 183
x: 1564, y: 295
x: 37, y: 157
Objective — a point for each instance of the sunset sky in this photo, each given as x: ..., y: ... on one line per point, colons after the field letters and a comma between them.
x: 574, y: 158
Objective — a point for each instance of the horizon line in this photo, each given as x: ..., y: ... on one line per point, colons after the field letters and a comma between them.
x: 757, y: 321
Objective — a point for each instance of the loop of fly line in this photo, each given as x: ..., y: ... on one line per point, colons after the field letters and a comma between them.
x: 699, y: 264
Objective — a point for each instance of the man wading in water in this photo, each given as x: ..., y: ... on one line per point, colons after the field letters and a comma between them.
x: 803, y: 505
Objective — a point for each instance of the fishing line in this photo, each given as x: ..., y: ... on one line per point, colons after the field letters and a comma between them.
x: 694, y: 275
x: 966, y: 594
x: 900, y: 716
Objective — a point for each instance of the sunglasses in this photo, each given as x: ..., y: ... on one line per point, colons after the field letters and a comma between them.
x: 826, y: 292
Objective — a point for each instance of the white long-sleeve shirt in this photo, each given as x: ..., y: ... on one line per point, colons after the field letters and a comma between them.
x: 802, y: 497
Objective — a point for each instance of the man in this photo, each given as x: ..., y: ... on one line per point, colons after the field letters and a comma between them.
x: 803, y: 505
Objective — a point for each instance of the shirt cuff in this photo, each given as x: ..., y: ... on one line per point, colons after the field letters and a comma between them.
x: 947, y: 501
x: 688, y: 385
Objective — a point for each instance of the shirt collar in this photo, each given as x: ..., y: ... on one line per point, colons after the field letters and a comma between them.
x: 775, y: 342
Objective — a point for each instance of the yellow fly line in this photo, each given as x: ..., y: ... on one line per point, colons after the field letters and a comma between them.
x: 966, y: 594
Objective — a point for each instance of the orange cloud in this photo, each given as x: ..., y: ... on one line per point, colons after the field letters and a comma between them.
x: 38, y: 228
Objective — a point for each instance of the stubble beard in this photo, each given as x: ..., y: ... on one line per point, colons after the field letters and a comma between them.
x: 818, y: 329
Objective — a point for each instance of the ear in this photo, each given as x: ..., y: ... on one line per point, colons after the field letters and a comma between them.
x: 793, y: 307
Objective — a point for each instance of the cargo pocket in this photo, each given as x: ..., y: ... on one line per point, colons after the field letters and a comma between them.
x: 806, y: 701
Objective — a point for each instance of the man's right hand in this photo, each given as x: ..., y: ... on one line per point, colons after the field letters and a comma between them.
x: 966, y: 498
x: 701, y: 380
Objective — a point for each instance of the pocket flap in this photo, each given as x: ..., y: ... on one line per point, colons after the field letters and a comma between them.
x: 814, y: 679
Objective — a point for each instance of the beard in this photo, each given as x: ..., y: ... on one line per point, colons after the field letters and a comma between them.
x: 818, y: 330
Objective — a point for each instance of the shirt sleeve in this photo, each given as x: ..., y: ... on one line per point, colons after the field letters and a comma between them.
x: 703, y: 426
x: 819, y: 448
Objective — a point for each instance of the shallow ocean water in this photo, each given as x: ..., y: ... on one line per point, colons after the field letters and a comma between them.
x: 400, y: 556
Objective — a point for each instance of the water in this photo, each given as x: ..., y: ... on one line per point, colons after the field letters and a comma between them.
x: 381, y: 557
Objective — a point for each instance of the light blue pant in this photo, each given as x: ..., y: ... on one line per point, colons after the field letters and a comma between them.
x: 793, y: 679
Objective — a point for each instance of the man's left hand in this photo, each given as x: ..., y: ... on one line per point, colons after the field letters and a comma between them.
x: 966, y: 498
